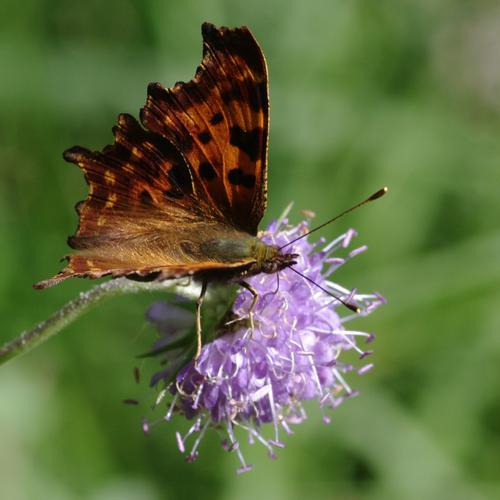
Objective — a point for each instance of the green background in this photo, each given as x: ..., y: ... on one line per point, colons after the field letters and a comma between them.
x: 363, y: 94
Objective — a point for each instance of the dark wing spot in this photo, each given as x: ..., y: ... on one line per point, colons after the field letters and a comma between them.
x: 238, y: 178
x: 217, y: 118
x: 232, y: 95
x: 249, y: 142
x: 207, y: 172
x: 235, y: 176
x: 146, y: 198
x: 205, y: 137
x: 179, y: 176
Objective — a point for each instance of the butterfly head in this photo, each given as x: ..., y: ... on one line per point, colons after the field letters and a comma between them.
x: 270, y: 259
x: 278, y: 262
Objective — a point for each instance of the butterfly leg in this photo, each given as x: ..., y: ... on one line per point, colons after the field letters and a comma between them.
x: 199, y: 302
x: 255, y: 297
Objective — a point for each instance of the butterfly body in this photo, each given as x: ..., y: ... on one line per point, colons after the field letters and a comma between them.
x: 250, y: 255
x: 262, y: 258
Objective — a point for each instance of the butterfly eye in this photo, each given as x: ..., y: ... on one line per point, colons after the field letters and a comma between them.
x: 270, y: 267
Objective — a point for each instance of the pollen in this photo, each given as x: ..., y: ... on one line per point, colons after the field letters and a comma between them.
x: 109, y: 177
x: 101, y: 221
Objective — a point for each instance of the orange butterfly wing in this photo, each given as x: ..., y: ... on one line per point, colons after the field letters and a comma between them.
x: 220, y: 121
x: 196, y: 173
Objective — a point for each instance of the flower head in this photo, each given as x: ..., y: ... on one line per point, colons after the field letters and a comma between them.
x: 247, y: 377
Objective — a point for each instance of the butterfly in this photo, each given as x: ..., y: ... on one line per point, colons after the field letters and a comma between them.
x: 182, y: 192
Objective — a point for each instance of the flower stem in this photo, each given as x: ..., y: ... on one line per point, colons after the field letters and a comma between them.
x: 29, y: 339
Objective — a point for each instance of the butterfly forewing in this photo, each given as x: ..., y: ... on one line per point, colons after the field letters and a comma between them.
x: 195, y: 173
x: 220, y: 122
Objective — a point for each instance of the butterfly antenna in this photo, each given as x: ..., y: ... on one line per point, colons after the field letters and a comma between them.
x: 350, y: 306
x: 373, y: 197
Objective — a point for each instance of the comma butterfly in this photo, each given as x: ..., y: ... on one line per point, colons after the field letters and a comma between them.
x: 182, y: 193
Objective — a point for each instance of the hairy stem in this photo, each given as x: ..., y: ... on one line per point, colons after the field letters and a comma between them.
x: 29, y: 339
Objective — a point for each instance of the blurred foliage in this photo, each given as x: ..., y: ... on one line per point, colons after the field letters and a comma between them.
x: 364, y: 94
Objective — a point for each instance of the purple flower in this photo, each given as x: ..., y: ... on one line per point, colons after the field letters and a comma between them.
x: 245, y: 379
